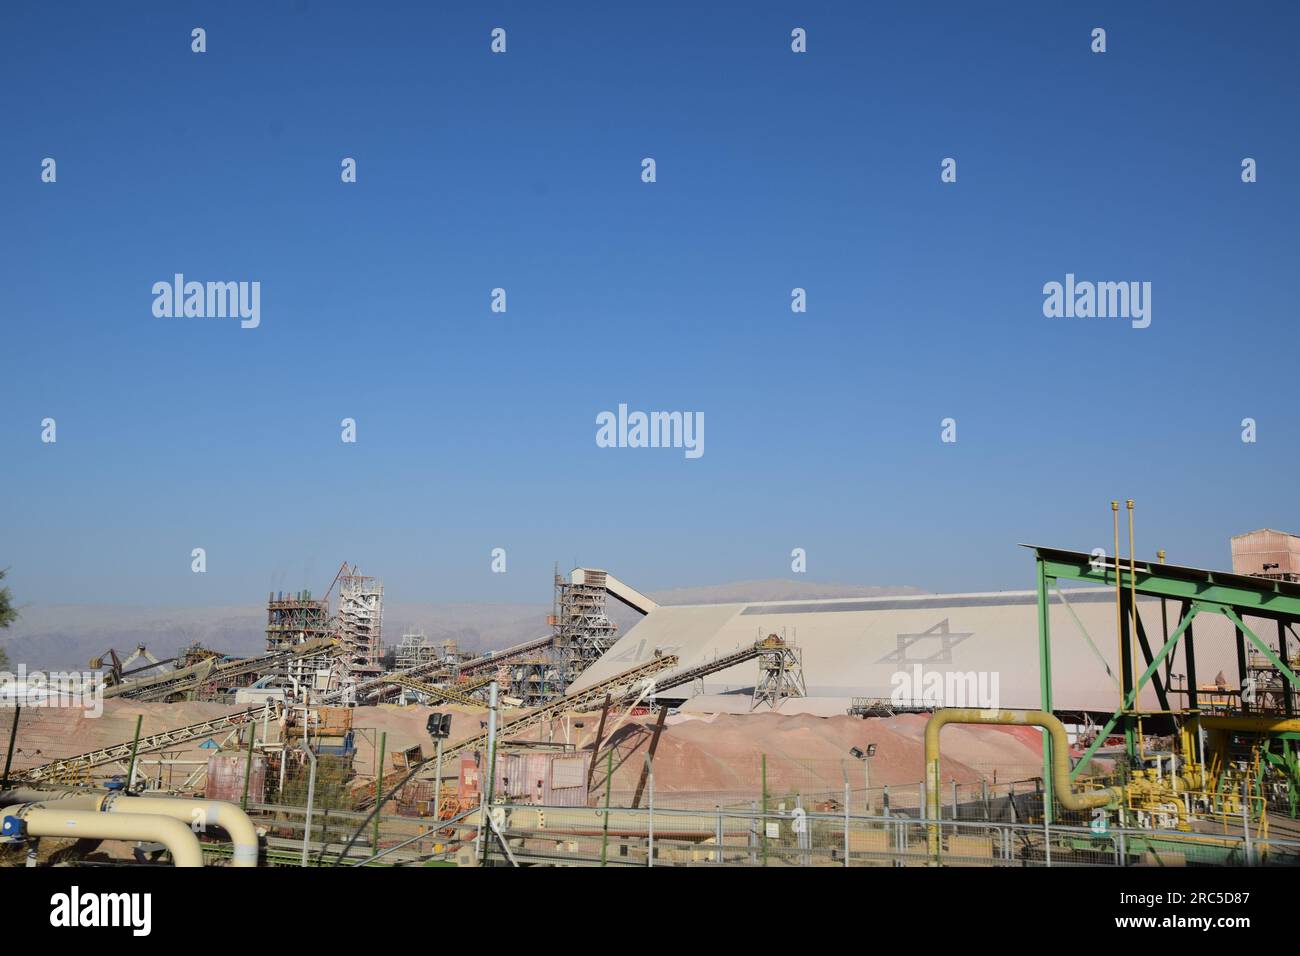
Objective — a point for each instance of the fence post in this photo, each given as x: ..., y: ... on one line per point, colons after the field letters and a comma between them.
x: 248, y: 761
x: 9, y: 757
x: 753, y: 832
x: 379, y: 787
x: 763, y: 821
x: 135, y: 746
x: 609, y: 785
x: 311, y: 796
x: 1245, y: 818
x: 650, y: 781
x: 846, y: 823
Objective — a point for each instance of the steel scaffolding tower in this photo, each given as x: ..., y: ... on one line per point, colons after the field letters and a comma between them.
x: 361, y: 618
x: 583, y: 631
x: 780, y: 672
x: 415, y: 650
x: 291, y: 621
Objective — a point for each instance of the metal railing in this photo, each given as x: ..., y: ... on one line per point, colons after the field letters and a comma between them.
x: 727, y: 836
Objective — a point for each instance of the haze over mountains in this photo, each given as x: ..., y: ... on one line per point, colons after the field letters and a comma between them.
x: 66, y: 636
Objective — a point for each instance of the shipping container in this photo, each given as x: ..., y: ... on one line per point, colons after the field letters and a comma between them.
x: 539, y: 778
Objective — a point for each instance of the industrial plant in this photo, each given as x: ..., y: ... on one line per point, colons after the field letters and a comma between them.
x: 1119, y: 711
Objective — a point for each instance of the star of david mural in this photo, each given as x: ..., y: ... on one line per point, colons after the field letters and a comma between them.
x: 942, y: 654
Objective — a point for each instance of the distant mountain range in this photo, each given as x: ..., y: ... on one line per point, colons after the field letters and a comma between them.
x: 66, y: 636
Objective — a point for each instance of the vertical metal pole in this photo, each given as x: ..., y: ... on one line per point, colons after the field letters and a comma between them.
x: 135, y: 746
x: 1132, y: 585
x: 884, y: 798
x: 379, y: 788
x: 13, y: 736
x: 846, y: 821
x: 717, y: 832
x: 1045, y: 678
x: 954, y: 798
x: 1243, y: 672
x: 609, y: 785
x: 1164, y: 627
x: 1287, y: 689
x: 866, y: 785
x: 489, y: 791
x: 650, y: 803
x: 763, y: 822
x: 248, y: 763
x: 1119, y: 613
x: 437, y: 784
x: 311, y: 798
x: 753, y: 833
x: 1245, y: 819
x: 1189, y: 653
x: 600, y: 736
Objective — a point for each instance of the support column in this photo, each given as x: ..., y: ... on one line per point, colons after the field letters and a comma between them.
x: 1045, y: 681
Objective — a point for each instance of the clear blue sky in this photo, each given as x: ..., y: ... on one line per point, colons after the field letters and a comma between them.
x: 775, y: 170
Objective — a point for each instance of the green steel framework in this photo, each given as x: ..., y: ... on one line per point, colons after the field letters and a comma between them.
x: 1197, y: 591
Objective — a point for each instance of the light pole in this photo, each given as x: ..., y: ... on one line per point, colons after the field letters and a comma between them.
x: 439, y: 727
x: 865, y: 756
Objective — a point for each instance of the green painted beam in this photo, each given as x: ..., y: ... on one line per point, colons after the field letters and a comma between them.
x: 1045, y: 685
x: 1258, y: 597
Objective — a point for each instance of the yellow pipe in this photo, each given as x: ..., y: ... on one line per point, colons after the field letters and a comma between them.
x: 1132, y: 593
x: 198, y: 814
x: 55, y: 821
x: 1024, y: 718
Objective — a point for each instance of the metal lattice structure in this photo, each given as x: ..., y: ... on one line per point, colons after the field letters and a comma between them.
x: 583, y: 630
x: 1248, y: 724
x: 292, y: 621
x: 168, y: 738
x: 461, y: 694
x: 360, y: 622
x: 219, y: 673
x: 415, y: 650
x: 780, y: 672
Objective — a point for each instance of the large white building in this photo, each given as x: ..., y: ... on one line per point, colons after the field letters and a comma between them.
x: 873, y: 647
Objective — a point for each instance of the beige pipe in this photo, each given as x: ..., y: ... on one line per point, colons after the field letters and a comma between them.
x: 70, y: 798
x: 54, y: 821
x: 203, y: 813
x: 198, y: 815
x: 1033, y: 718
